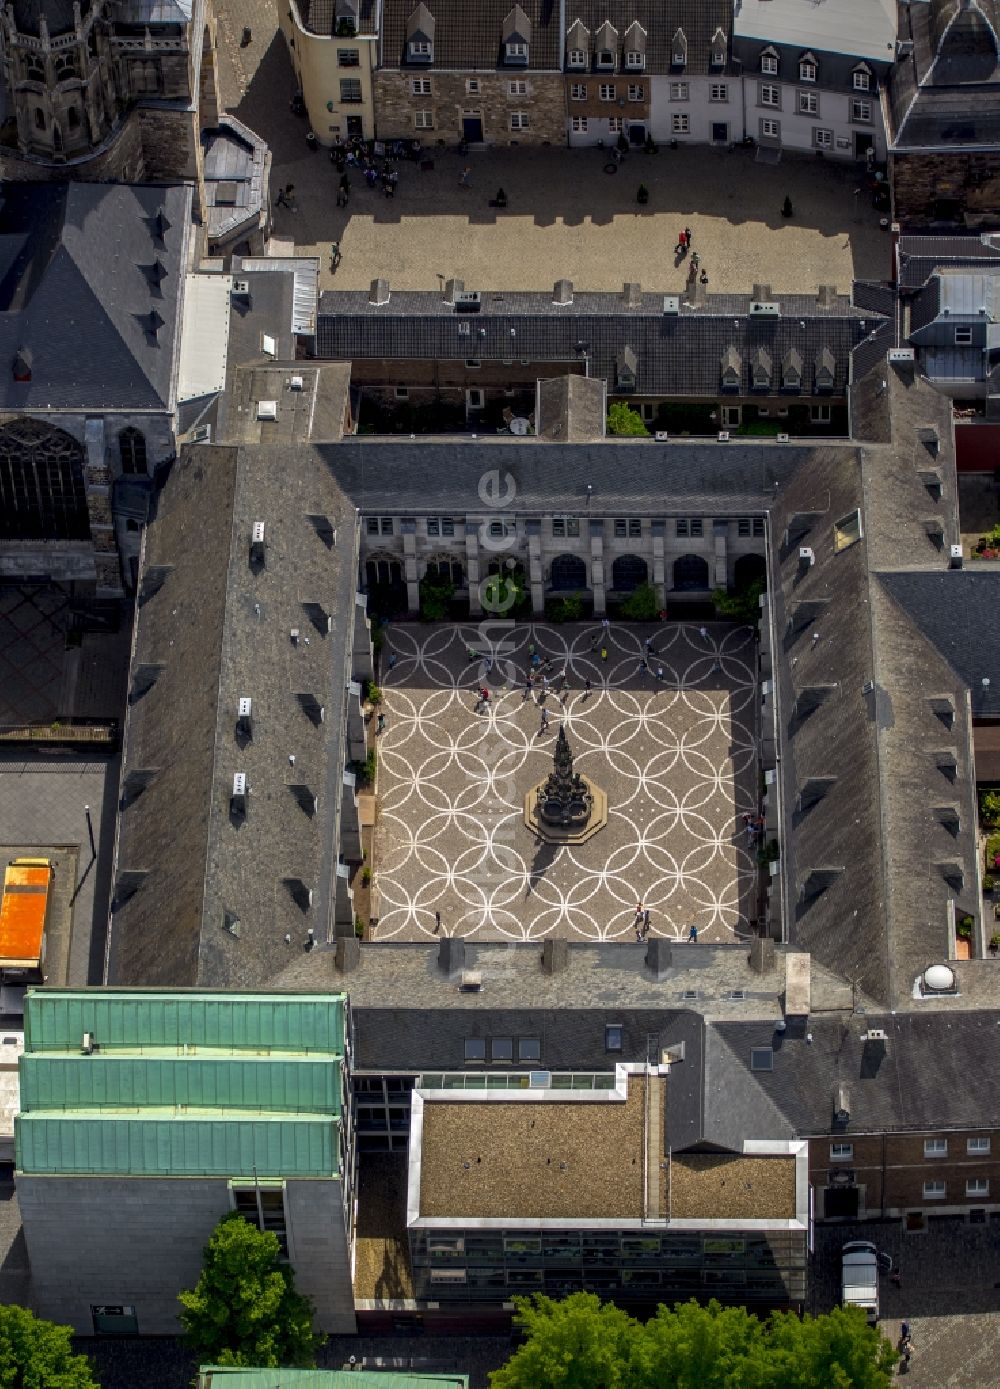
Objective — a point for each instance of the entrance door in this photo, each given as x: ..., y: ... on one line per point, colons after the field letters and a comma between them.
x: 637, y: 135
x: 720, y: 132
x: 472, y: 127
x: 862, y: 144
x: 355, y: 127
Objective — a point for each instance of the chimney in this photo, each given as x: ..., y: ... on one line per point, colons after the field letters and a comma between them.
x: 555, y: 956
x: 826, y: 296
x: 632, y: 294
x: 453, y: 288
x: 379, y: 291
x: 762, y: 954
x: 348, y: 954
x: 451, y: 954
x: 658, y: 956
x: 562, y: 293
x: 761, y: 293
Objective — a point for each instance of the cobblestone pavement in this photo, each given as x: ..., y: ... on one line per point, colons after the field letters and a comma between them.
x: 565, y: 216
x: 675, y: 757
x: 950, y: 1294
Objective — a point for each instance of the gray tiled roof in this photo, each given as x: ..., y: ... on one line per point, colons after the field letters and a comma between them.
x: 471, y: 37
x: 699, y: 19
x: 677, y: 354
x: 81, y: 269
x: 919, y: 256
x: 219, y: 631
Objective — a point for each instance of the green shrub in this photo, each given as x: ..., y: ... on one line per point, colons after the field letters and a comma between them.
x: 359, y: 928
x: 372, y: 693
x: 366, y: 877
x: 642, y: 605
x: 989, y: 883
x: 436, y: 595
x: 741, y: 606
x: 964, y: 928
x: 569, y: 609
x: 623, y: 420
x: 989, y: 810
x: 506, y: 594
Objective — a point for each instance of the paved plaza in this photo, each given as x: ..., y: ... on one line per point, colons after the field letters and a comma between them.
x: 565, y: 217
x: 676, y: 757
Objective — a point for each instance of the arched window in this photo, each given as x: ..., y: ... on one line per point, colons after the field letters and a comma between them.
x: 383, y: 573
x: 445, y: 568
x: 569, y: 574
x: 39, y: 118
x: 34, y: 68
x: 42, y: 493
x: 748, y: 569
x: 65, y: 66
x: 132, y: 450
x: 690, y: 573
x: 627, y: 573
x: 73, y: 118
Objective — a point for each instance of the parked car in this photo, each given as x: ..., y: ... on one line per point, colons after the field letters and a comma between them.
x: 860, y: 1264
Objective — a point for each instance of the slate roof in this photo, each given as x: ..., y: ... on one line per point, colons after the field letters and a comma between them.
x: 212, y: 630
x: 677, y: 354
x: 943, y: 92
x: 699, y: 20
x: 82, y: 267
x: 58, y: 15
x: 472, y: 38
x: 236, y: 165
x: 919, y: 256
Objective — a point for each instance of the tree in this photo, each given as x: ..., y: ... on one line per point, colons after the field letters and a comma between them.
x: 436, y: 594
x: 506, y: 593
x: 642, y: 604
x: 743, y: 605
x: 37, y: 1354
x: 245, y: 1310
x: 578, y: 1343
x: 622, y: 419
x: 581, y: 1344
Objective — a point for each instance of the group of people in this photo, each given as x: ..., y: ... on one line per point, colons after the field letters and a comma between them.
x: 753, y: 826
x: 682, y: 248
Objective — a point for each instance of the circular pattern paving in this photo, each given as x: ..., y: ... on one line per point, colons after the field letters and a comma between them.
x: 672, y: 744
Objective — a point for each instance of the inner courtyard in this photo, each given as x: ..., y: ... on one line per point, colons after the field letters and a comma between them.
x: 671, y: 742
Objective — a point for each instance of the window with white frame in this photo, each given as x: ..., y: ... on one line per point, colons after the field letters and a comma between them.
x: 350, y: 90
x: 807, y: 70
x: 421, y: 86
x: 519, y: 120
x: 861, y: 110
x: 576, y: 58
x: 680, y: 123
x: 691, y: 526
x: 579, y: 125
x: 963, y: 337
x: 607, y: 91
x: 770, y: 130
x: 935, y: 1147
x: 977, y: 1145
x: 769, y: 64
x: 440, y: 525
x: 821, y: 414
x: 564, y: 527
x: 636, y: 91
x: 420, y: 48
x: 578, y: 91
x: 635, y: 61
x: 517, y: 89
x: 862, y: 79
x: 809, y: 103
x: 474, y: 398
x: 615, y: 125
x: 423, y: 120
x: 679, y: 91
x: 770, y: 95
x: 605, y: 58
x: 718, y: 91
x: 472, y: 86
x: 823, y: 139
x: 402, y: 392
x: 935, y: 1191
x: 516, y: 52
x: 977, y: 1186
x: 629, y: 528
x: 840, y: 1152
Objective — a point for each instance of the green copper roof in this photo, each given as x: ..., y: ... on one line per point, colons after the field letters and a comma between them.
x: 109, y: 1080
x: 56, y: 1019
x: 211, y: 1377
x: 181, y: 1084
x: 173, y: 1144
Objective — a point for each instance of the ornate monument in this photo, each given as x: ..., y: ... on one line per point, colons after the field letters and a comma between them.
x: 566, y: 808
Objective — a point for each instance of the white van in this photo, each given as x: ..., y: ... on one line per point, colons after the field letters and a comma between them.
x: 860, y: 1263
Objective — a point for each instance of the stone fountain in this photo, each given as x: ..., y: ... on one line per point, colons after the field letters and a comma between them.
x: 567, y: 807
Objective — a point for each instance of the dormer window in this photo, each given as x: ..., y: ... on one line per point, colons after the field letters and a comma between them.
x: 420, y: 35
x: 635, y: 47
x: 731, y: 368
x: 636, y: 61
x: 825, y: 364
x: 576, y: 58
x: 791, y: 370
x: 769, y: 63
x: 516, y: 37
x: 625, y: 366
x: 761, y: 369
x: 862, y: 78
x: 516, y: 52
x: 719, y: 46
x: 807, y: 67
x: 679, y: 49
x: 420, y: 48
x: 605, y: 58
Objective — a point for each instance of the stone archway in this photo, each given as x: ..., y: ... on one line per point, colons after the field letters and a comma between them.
x: 690, y: 574
x: 42, y: 492
x: 748, y: 569
x: 568, y: 574
x: 628, y: 572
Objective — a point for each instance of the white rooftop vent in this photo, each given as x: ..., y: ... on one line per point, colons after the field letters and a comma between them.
x: 268, y: 345
x: 87, y: 1045
x: 671, y: 304
x: 267, y: 409
x: 765, y: 308
x: 244, y: 707
x: 662, y: 436
x: 296, y: 383
x: 939, y: 979
x: 238, y: 800
x: 239, y: 783
x: 471, y: 981
x: 955, y: 556
x: 258, y: 533
x: 723, y: 436
x: 901, y: 356
x: 782, y: 438
x: 807, y: 555
x: 468, y: 301
x: 241, y: 289
x: 876, y: 1034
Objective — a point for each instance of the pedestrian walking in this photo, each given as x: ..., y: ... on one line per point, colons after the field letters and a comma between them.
x: 527, y: 688
x: 437, y: 922
x: 465, y: 176
x: 281, y: 200
x: 687, y: 237
x: 659, y: 672
x: 545, y: 721
x: 681, y: 246
x: 392, y: 660
x: 380, y: 725
x: 693, y: 935
x: 643, y: 667
x: 703, y: 633
x: 587, y: 689
x: 604, y: 653
x: 904, y: 1331
x: 606, y: 624
x: 638, y: 911
x: 703, y: 278
x: 645, y: 922
x: 648, y: 644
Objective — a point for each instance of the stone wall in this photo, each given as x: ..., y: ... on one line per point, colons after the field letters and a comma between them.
x: 544, y: 103
x: 120, y: 161
x: 921, y: 182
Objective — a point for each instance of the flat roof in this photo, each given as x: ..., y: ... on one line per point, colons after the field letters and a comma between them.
x: 731, y: 1186
x: 859, y: 28
x: 26, y: 887
x: 204, y: 335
